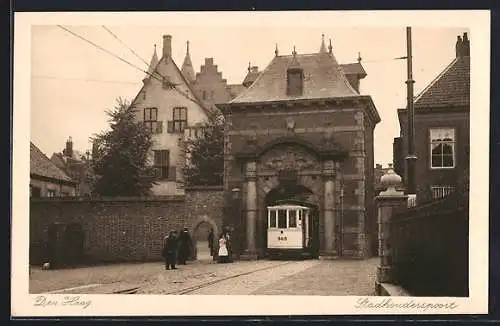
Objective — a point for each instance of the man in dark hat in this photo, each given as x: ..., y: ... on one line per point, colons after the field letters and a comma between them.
x: 169, y: 249
x: 185, y: 246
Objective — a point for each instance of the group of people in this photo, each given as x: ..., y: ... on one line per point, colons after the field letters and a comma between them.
x: 177, y: 248
x: 224, y: 254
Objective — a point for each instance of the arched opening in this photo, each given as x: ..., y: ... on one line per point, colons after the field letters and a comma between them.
x: 200, y: 235
x: 295, y: 194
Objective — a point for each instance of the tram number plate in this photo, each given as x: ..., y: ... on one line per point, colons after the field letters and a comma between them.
x: 282, y: 238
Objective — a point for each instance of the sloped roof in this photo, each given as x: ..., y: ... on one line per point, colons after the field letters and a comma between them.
x: 41, y: 165
x: 450, y: 88
x: 157, y: 75
x: 354, y: 69
x: 235, y: 89
x: 323, y: 78
x: 251, y: 77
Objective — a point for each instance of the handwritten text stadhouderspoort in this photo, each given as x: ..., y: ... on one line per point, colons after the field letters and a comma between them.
x: 388, y: 303
x: 67, y: 301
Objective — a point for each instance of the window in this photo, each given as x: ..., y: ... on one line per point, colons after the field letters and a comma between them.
x: 441, y: 191
x: 161, y: 163
x: 51, y: 193
x: 282, y: 218
x: 180, y: 119
x: 442, y: 147
x: 151, y: 119
x: 292, y: 219
x: 272, y: 219
x: 294, y: 82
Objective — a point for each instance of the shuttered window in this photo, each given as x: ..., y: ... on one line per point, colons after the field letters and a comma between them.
x: 179, y: 119
x: 150, y: 119
x: 162, y: 163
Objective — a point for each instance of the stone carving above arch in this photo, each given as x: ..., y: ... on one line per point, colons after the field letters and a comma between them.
x: 289, y: 157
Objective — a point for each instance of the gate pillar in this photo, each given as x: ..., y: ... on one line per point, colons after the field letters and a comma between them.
x: 328, y: 248
x: 251, y: 211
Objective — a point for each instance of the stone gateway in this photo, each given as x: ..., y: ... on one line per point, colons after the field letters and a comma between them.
x: 303, y: 131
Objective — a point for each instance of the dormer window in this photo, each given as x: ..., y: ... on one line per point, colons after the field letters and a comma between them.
x: 295, y: 80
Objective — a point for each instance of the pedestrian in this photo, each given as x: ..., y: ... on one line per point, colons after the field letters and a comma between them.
x: 229, y: 243
x: 185, y: 246
x: 223, y: 253
x: 169, y: 249
x: 210, y: 240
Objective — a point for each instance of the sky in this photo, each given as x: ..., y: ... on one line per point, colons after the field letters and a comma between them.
x: 73, y: 83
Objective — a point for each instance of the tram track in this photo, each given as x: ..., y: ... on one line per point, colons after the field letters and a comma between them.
x: 194, y: 288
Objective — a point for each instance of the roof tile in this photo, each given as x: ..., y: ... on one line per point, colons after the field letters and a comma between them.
x: 323, y: 78
x: 42, y: 166
x: 450, y: 88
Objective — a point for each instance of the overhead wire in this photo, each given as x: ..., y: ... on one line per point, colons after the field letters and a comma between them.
x: 125, y: 45
x: 85, y: 79
x: 173, y: 86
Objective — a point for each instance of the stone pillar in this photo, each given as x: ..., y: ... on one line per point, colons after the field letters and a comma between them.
x: 328, y: 248
x: 251, y: 210
x: 388, y: 202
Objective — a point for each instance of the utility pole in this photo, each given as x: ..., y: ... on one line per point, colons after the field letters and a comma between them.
x: 411, y: 157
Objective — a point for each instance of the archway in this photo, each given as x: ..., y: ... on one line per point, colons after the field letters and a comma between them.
x: 199, y: 237
x: 293, y: 193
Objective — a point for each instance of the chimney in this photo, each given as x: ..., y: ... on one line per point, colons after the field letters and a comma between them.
x: 255, y: 69
x: 209, y: 61
x: 458, y: 46
x: 167, y: 46
x: 465, y: 46
x: 69, y: 148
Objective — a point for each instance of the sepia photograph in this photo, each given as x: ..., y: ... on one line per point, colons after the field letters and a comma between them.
x: 258, y: 159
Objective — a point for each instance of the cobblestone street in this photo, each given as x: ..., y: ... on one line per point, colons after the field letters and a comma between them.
x: 263, y: 277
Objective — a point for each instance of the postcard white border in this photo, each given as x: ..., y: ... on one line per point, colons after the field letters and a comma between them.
x: 478, y: 23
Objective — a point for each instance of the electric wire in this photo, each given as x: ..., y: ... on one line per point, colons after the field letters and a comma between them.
x: 173, y: 86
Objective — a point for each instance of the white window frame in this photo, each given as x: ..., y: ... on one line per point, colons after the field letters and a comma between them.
x: 453, y: 143
x: 275, y: 219
x: 288, y: 218
x: 444, y: 190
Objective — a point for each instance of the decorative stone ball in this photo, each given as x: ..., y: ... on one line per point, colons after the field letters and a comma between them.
x: 46, y: 266
x: 390, y: 179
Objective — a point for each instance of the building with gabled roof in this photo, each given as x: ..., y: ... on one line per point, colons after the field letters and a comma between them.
x: 46, y: 179
x: 441, y: 122
x: 168, y: 105
x: 303, y: 130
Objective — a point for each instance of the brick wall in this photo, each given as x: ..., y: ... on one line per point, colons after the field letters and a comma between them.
x: 427, y: 176
x: 122, y: 229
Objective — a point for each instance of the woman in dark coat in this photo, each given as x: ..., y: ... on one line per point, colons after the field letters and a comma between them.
x: 169, y: 249
x: 185, y: 247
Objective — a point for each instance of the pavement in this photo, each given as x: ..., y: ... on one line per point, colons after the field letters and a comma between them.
x: 262, y: 277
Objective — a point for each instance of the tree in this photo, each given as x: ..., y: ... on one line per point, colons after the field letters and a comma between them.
x: 205, y: 154
x: 120, y: 155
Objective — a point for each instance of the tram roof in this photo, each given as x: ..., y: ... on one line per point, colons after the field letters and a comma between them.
x: 287, y: 206
x: 292, y: 202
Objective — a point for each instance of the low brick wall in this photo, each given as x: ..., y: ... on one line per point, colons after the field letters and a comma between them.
x: 122, y: 229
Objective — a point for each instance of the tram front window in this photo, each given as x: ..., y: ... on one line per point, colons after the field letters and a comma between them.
x: 272, y: 219
x: 292, y: 219
x: 282, y: 219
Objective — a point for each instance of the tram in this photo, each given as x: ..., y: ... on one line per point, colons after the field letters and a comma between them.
x: 292, y: 230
